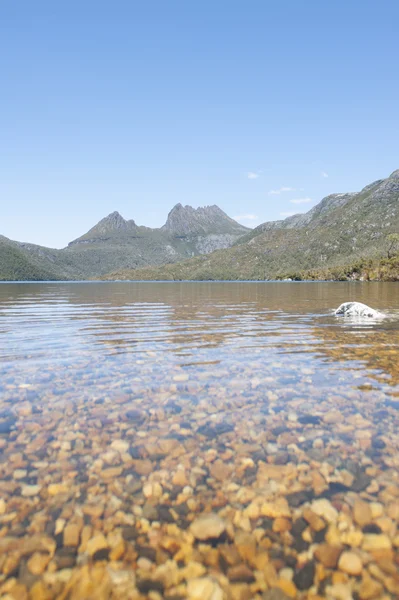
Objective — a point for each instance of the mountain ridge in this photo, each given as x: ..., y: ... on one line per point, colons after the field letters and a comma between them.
x: 115, y: 242
x: 205, y: 243
x: 340, y: 228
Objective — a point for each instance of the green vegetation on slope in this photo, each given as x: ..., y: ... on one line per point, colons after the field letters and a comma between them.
x: 115, y: 243
x: 16, y: 266
x: 342, y: 229
x: 366, y: 269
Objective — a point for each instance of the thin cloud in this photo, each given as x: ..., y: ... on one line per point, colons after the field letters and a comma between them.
x: 282, y: 190
x: 253, y: 175
x: 246, y: 217
x: 324, y: 174
x: 301, y: 200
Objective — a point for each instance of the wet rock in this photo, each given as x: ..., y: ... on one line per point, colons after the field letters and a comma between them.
x: 350, y: 563
x: 146, y: 586
x: 304, y: 577
x: 279, y: 508
x: 309, y: 419
x: 316, y: 522
x: 334, y: 487
x: 135, y: 415
x: 66, y: 558
x: 370, y: 588
x: 357, y: 309
x: 213, y: 431
x: 229, y: 556
x: 135, y: 452
x: 275, y: 594
x: 325, y: 509
x: 152, y: 490
x: 164, y: 514
x: 281, y: 458
x: 299, y: 527
x: 72, y: 535
x: 376, y: 542
x: 38, y: 562
x: 300, y: 544
x: 362, y: 513
x: 296, y: 499
x: 129, y: 532
x: 207, y: 527
x: 57, y: 488
x: 147, y: 552
x: 150, y: 512
x: 30, y: 490
x: 204, y: 588
x: 279, y: 430
x: 361, y: 482
x: 101, y: 554
x: 377, y: 443
x: 120, y: 445
x: 328, y: 555
x: 98, y: 542
x: 372, y: 528
x: 240, y: 574
x: 173, y: 408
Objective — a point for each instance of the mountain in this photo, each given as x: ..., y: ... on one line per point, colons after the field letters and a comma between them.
x: 116, y: 243
x: 17, y: 265
x: 186, y: 220
x: 112, y: 225
x: 342, y: 228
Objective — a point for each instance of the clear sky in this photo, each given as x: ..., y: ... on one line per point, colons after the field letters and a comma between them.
x: 136, y: 105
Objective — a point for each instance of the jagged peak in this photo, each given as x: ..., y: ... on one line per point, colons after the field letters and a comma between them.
x: 394, y: 175
x: 108, y: 225
x: 185, y: 220
x: 114, y: 220
x: 213, y: 208
x: 114, y: 215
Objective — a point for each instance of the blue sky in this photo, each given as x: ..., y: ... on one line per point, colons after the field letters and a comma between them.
x: 135, y: 106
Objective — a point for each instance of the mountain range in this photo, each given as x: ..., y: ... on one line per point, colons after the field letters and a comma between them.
x: 341, y: 229
x: 205, y: 243
x: 116, y: 243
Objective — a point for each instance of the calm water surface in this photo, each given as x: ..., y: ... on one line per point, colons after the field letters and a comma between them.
x: 196, y: 387
x: 90, y: 339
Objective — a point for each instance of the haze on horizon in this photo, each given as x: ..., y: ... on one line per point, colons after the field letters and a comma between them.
x: 260, y: 108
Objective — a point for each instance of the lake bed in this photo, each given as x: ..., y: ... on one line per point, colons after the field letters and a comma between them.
x: 198, y: 440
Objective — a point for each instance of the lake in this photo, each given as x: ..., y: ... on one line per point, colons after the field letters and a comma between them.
x: 198, y: 440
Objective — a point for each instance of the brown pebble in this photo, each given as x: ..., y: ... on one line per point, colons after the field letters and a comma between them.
x: 328, y: 555
x: 362, y: 513
x: 240, y: 574
x: 71, y: 535
x: 350, y: 563
x: 38, y: 562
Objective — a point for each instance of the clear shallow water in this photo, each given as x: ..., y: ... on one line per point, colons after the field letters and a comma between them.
x: 188, y: 376
x: 131, y: 329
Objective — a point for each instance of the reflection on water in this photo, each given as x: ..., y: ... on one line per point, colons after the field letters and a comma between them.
x: 199, y: 389
x: 187, y: 325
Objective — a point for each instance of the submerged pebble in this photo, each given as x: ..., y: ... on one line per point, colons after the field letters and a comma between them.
x: 232, y: 453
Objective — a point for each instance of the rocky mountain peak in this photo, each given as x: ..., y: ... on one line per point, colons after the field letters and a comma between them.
x: 186, y: 220
x: 113, y: 221
x: 111, y: 224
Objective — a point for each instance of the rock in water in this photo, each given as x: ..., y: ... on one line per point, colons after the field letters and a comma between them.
x: 207, y: 527
x: 357, y: 309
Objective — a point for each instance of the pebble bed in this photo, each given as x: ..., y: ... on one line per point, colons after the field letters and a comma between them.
x: 145, y: 454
